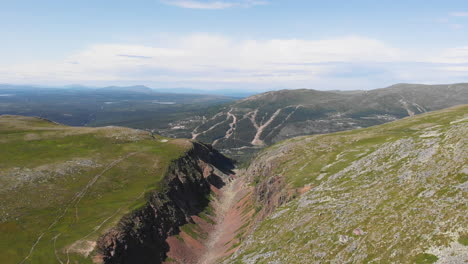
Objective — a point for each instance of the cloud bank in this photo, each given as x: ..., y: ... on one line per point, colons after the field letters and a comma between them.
x: 213, y: 61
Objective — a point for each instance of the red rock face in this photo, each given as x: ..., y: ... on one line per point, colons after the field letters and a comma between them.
x: 185, y: 249
x: 233, y: 212
x: 271, y: 194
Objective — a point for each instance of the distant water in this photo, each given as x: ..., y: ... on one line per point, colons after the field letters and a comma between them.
x: 5, y: 95
x: 154, y: 102
x: 163, y: 103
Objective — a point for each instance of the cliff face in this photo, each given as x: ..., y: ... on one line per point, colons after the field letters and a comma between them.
x: 140, y: 237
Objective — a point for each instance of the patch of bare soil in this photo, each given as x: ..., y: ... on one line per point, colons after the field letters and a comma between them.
x: 221, y: 242
x: 232, y: 215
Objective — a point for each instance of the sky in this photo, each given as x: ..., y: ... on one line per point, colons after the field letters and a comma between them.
x: 251, y: 45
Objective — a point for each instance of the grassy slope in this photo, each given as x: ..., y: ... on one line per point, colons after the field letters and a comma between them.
x: 67, y: 184
x: 403, y: 183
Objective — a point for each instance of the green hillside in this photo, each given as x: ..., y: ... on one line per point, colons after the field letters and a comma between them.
x: 394, y: 193
x: 62, y: 187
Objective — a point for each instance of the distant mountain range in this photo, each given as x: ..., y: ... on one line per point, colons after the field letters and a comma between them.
x: 138, y: 89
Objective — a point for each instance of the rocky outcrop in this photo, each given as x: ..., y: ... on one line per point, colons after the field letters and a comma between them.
x: 271, y: 189
x: 140, y: 236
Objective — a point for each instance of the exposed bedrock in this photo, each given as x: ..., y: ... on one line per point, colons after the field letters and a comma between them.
x: 140, y: 236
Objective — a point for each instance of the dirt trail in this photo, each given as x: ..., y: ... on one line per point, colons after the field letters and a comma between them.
x: 257, y: 141
x: 195, y: 135
x: 231, y: 129
x: 229, y: 219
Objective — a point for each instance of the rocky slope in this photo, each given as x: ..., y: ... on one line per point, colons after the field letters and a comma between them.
x: 394, y: 193
x: 244, y: 127
x: 98, y: 195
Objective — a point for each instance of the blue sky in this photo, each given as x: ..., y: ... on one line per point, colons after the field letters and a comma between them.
x: 241, y: 44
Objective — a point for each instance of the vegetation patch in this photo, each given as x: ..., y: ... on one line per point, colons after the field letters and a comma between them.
x: 425, y: 258
x: 463, y: 239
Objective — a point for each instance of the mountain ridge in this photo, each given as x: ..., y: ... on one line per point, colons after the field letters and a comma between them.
x: 246, y: 125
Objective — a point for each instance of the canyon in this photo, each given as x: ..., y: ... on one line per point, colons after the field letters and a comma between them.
x: 394, y: 192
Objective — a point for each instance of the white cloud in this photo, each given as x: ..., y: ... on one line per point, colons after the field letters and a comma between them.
x: 456, y: 26
x: 203, y: 60
x: 452, y: 22
x: 442, y: 20
x: 212, y: 58
x: 455, y: 69
x: 192, y: 4
x: 459, y: 14
x: 452, y: 56
x: 199, y: 5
